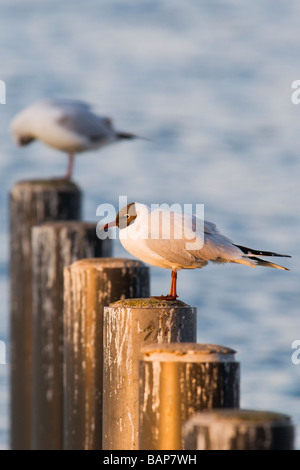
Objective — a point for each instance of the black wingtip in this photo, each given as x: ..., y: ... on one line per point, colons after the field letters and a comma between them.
x: 126, y: 135
x: 250, y: 251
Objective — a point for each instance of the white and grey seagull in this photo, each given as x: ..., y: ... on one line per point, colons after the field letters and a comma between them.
x: 66, y: 125
x: 164, y: 238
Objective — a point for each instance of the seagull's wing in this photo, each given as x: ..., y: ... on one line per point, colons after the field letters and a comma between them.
x: 169, y: 235
x: 219, y: 248
x: 209, y: 227
x: 189, y: 240
x: 81, y: 121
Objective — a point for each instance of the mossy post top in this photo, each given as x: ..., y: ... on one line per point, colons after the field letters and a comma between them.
x: 44, y: 183
x: 149, y: 303
x: 104, y: 263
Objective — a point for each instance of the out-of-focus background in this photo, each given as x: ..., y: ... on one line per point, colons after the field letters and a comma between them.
x: 210, y: 84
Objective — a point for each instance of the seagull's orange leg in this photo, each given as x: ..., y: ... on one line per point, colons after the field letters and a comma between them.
x: 70, y: 166
x: 173, y: 291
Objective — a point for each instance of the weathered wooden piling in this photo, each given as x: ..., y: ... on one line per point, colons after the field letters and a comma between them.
x: 90, y: 285
x: 31, y: 202
x: 54, y: 246
x: 176, y: 380
x: 129, y: 325
x: 238, y: 430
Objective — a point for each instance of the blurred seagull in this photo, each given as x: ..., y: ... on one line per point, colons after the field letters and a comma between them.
x: 163, y: 238
x: 66, y: 125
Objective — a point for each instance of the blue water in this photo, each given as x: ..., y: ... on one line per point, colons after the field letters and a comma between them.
x: 210, y: 84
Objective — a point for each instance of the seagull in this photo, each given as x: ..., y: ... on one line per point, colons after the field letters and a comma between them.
x: 165, y: 238
x: 66, y: 125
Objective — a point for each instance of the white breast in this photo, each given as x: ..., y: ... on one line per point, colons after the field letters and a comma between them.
x: 134, y: 239
x: 141, y: 250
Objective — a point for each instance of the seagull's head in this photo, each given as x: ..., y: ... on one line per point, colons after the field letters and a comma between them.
x: 23, y: 140
x: 20, y: 129
x: 127, y: 215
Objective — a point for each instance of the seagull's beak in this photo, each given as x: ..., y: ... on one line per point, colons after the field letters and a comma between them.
x: 109, y: 225
x: 102, y: 231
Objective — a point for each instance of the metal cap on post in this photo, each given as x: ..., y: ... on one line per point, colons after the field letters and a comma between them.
x: 54, y: 246
x: 129, y: 325
x: 238, y: 430
x: 176, y: 380
x: 31, y: 203
x: 90, y: 285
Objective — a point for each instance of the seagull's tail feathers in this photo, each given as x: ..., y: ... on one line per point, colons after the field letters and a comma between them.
x: 268, y: 264
x: 251, y: 258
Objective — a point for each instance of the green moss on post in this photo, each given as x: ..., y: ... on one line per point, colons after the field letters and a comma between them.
x: 50, y: 183
x: 148, y: 303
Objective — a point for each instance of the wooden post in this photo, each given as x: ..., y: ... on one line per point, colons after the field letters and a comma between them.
x: 90, y: 285
x: 31, y: 202
x: 238, y: 430
x: 54, y: 246
x: 176, y: 380
x: 129, y: 325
